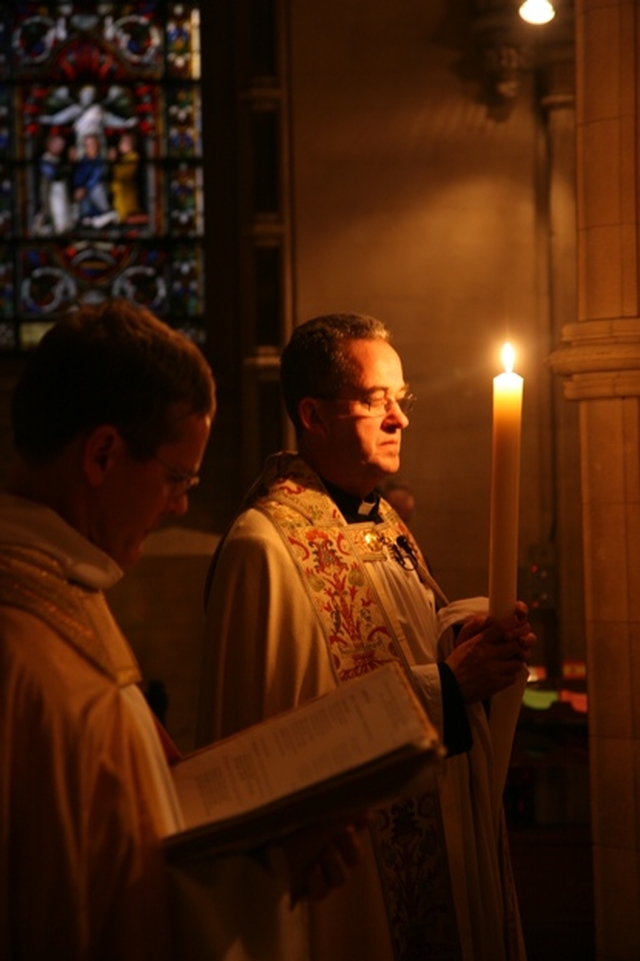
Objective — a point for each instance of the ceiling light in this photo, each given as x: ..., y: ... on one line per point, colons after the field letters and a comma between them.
x: 537, y: 11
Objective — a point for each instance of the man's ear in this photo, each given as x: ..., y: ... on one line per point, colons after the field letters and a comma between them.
x: 311, y: 416
x: 102, y: 446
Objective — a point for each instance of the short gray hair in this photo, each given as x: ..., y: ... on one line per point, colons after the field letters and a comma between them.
x: 314, y: 363
x: 113, y: 363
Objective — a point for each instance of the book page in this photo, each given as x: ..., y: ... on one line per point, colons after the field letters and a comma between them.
x: 352, y: 726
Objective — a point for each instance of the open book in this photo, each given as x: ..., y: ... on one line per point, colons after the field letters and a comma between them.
x: 340, y: 754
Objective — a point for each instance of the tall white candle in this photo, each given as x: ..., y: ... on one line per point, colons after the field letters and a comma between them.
x: 505, y: 488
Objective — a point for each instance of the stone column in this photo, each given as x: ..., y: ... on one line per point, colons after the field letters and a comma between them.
x: 600, y: 364
x: 557, y: 100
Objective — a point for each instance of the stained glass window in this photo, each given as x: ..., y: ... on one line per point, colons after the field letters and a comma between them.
x: 100, y: 161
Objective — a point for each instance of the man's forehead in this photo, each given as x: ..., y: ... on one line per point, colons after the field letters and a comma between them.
x: 376, y: 365
x: 385, y: 390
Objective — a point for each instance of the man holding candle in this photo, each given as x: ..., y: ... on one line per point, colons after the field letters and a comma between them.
x: 318, y: 581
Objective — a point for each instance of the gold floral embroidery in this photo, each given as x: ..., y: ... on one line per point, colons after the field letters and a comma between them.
x: 408, y: 835
x: 31, y: 582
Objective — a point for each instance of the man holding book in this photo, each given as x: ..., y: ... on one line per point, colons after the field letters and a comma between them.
x: 318, y: 581
x: 110, y: 420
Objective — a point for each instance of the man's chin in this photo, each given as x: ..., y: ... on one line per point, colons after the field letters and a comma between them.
x: 390, y: 465
x: 130, y: 557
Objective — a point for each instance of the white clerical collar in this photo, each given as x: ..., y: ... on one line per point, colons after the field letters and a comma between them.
x: 353, y: 508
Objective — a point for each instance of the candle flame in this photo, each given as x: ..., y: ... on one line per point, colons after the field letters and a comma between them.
x: 508, y: 357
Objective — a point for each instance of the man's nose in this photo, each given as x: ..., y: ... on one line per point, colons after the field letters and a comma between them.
x: 395, y: 414
x: 177, y: 504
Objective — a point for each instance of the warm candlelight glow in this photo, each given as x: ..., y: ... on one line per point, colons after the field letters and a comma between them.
x: 508, y: 357
x: 505, y: 488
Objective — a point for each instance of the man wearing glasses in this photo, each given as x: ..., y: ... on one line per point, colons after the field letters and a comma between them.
x: 110, y: 420
x: 319, y: 581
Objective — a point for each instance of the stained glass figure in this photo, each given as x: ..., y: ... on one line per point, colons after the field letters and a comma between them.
x: 100, y: 161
